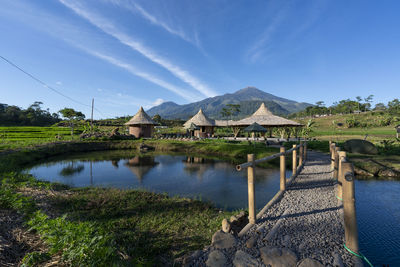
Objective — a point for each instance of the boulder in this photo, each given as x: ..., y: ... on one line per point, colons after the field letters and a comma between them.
x: 276, y: 257
x: 309, y: 263
x: 360, y: 146
x: 226, y: 226
x: 242, y: 259
x: 216, y: 259
x: 251, y: 242
x: 223, y: 240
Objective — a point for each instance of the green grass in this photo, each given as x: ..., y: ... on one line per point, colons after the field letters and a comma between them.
x: 105, y: 227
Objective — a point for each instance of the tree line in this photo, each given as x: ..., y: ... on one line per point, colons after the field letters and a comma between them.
x: 348, y: 106
x: 35, y: 115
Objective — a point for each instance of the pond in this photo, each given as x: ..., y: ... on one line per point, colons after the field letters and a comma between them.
x: 208, y: 179
x: 378, y: 219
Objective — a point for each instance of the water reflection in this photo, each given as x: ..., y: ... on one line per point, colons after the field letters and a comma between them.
x: 141, y: 165
x: 209, y: 179
x: 70, y: 170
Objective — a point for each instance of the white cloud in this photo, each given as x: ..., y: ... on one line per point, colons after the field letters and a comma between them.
x: 107, y: 27
x: 158, y: 101
x: 99, y: 90
x: 147, y: 76
x: 59, y: 83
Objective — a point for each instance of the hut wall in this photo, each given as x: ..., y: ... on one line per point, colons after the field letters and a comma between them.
x: 143, y: 130
x: 204, y: 132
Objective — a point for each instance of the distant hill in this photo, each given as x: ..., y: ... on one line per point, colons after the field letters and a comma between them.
x: 249, y: 99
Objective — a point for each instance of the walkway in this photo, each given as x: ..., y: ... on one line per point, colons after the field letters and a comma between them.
x: 307, y: 223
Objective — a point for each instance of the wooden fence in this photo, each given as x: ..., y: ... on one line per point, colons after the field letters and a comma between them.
x: 343, y: 172
x: 299, y: 155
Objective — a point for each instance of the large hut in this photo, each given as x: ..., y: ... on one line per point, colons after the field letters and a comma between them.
x: 205, y: 125
x: 266, y: 119
x: 141, y: 125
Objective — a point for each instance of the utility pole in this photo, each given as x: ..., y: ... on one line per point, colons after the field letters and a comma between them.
x: 91, y: 123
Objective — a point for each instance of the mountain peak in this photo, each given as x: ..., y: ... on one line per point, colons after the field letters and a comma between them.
x: 249, y: 89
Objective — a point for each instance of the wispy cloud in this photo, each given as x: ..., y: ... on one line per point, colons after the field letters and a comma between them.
x: 138, y: 9
x: 158, y: 101
x: 59, y: 83
x: 147, y: 76
x: 261, y: 45
x: 108, y: 27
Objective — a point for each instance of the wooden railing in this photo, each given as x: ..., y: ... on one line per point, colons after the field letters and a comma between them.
x: 343, y: 172
x: 299, y: 154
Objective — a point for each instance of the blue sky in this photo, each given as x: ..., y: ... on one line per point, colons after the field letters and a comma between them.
x: 128, y: 54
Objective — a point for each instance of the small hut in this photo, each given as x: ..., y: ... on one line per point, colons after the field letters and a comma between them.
x: 205, y: 125
x: 141, y: 125
x: 266, y: 119
x: 397, y: 130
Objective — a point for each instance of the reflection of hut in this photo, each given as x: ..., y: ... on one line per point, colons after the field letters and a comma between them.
x: 266, y: 119
x: 197, y: 166
x: 140, y: 166
x: 141, y: 125
x: 205, y: 124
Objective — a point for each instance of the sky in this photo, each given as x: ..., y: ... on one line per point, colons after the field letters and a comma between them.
x: 126, y: 54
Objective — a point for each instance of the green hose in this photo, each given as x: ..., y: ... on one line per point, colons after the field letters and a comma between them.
x: 339, y: 198
x: 361, y: 256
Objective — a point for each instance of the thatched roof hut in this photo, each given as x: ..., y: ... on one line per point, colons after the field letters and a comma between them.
x: 141, y: 117
x: 200, y: 119
x: 264, y: 117
x: 141, y: 125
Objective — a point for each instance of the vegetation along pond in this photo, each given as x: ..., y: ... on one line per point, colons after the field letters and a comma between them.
x: 208, y: 179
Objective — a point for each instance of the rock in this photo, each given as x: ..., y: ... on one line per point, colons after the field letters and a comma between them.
x: 286, y: 240
x: 362, y: 172
x: 251, y: 242
x: 360, y: 146
x: 388, y: 173
x: 309, y: 263
x: 226, y: 226
x: 337, y: 260
x: 223, y: 240
x: 216, y: 259
x: 242, y: 259
x: 277, y: 257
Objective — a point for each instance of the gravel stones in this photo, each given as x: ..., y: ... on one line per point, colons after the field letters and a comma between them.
x: 242, y: 259
x: 216, y: 259
x: 277, y: 257
x: 309, y: 263
x: 223, y: 240
x: 251, y: 242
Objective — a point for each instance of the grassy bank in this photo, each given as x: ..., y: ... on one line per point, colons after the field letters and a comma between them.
x: 105, y: 227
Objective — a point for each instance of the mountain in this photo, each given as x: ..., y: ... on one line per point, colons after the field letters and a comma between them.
x: 248, y: 98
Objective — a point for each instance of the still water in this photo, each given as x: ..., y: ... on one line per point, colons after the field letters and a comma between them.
x: 378, y: 219
x: 210, y: 180
x: 217, y: 181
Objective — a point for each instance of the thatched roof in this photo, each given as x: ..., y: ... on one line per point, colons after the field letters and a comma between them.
x: 255, y: 127
x: 265, y: 118
x: 193, y: 127
x: 200, y: 119
x: 140, y: 118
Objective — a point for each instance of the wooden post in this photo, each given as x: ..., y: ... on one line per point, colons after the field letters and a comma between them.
x: 283, y: 169
x: 250, y: 187
x: 294, y: 160
x: 342, y: 157
x: 349, y: 207
x: 332, y: 149
x: 330, y: 146
x: 305, y: 151
x: 336, y: 162
x: 301, y: 150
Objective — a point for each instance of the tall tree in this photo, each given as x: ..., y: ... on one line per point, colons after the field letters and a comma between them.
x: 73, y: 116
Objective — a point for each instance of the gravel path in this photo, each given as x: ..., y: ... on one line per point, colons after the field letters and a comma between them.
x: 308, y: 221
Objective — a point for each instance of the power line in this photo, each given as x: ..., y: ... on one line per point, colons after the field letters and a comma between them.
x: 46, y: 85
